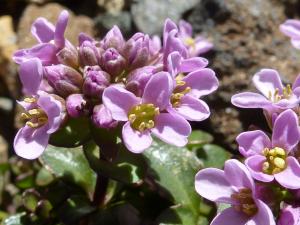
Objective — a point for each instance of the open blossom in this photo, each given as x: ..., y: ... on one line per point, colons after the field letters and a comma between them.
x: 274, y: 97
x: 289, y: 215
x: 198, y: 82
x: 195, y: 46
x: 43, y: 117
x: 144, y: 116
x: 291, y: 28
x: 270, y: 159
x: 236, y: 187
x: 51, y: 41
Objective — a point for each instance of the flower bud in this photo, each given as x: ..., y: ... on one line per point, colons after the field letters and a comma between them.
x: 113, y: 39
x: 102, y: 117
x: 68, y: 56
x: 113, y: 62
x: 89, y: 54
x: 137, y: 79
x: 76, y: 105
x: 95, y: 81
x: 65, y: 80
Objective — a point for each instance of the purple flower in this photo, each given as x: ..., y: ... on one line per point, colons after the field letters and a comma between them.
x: 189, y: 88
x: 89, y: 54
x: 51, y: 39
x: 197, y: 45
x: 113, y: 39
x: 274, y: 98
x: 269, y: 159
x: 291, y: 28
x: 289, y: 215
x: 113, y: 62
x: 144, y: 116
x: 43, y: 117
x: 76, y: 105
x: 233, y: 186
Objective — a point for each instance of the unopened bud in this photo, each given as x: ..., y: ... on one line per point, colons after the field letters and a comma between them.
x: 102, y: 117
x: 68, y: 56
x: 65, y: 80
x: 113, y: 62
x: 89, y: 54
x: 76, y: 106
x: 95, y: 81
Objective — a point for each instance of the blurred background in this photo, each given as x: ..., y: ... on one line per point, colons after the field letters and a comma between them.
x: 245, y: 34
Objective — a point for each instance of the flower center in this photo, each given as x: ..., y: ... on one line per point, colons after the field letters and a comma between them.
x: 245, y: 201
x: 35, y: 117
x: 286, y: 94
x: 190, y: 42
x: 179, y: 92
x: 276, y: 160
x: 142, y: 116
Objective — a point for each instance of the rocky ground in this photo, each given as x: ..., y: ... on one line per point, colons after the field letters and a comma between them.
x: 245, y: 34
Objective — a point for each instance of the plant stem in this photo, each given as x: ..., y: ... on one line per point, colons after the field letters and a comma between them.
x: 100, y: 190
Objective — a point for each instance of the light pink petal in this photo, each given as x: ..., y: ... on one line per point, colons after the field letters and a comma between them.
x: 192, y: 64
x: 30, y: 143
x: 291, y: 28
x: 135, y: 141
x: 250, y: 100
x: 230, y: 216
x: 211, y: 184
x: 31, y: 74
x: 202, y: 82
x: 267, y: 81
x: 202, y: 46
x: 53, y: 109
x: 263, y: 216
x: 296, y: 83
x: 237, y: 174
x: 172, y: 129
x: 60, y: 28
x: 174, y: 62
x: 286, y: 130
x: 185, y: 28
x: 119, y: 101
x: 193, y: 109
x: 296, y: 43
x: 42, y: 30
x: 290, y: 103
x: 254, y: 164
x: 252, y: 142
x: 290, y: 177
x: 158, y: 90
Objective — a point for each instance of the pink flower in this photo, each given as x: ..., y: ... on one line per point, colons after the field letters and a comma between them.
x: 233, y: 186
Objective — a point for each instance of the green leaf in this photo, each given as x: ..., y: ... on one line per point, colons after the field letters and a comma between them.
x: 126, y: 167
x: 70, y: 164
x: 44, y: 177
x: 198, y: 138
x: 73, y: 134
x: 15, y: 219
x: 174, y: 169
x: 75, y: 208
x: 213, y: 155
x: 179, y: 215
x: 30, y: 199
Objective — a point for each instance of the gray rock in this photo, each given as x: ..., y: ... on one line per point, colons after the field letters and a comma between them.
x: 106, y: 21
x: 149, y: 16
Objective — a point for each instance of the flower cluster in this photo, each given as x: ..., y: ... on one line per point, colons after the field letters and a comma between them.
x: 265, y: 188
x: 147, y: 86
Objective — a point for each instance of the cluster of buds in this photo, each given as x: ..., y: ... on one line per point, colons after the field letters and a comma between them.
x: 147, y: 86
x: 265, y: 188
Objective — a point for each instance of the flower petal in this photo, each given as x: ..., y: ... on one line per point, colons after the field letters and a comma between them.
x: 202, y: 46
x: 291, y: 28
x: 252, y: 142
x: 231, y: 216
x: 158, y: 90
x: 31, y: 74
x: 237, y: 174
x: 174, y: 61
x: 250, y: 100
x: 172, y: 129
x: 263, y: 216
x: 60, y: 28
x: 193, y: 109
x: 211, y: 184
x: 202, y: 82
x: 30, y: 143
x: 53, y: 109
x: 267, y: 81
x: 290, y: 177
x: 254, y: 165
x: 135, y: 141
x: 42, y: 30
x: 286, y: 130
x: 119, y: 101
x: 185, y: 28
x: 192, y: 64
